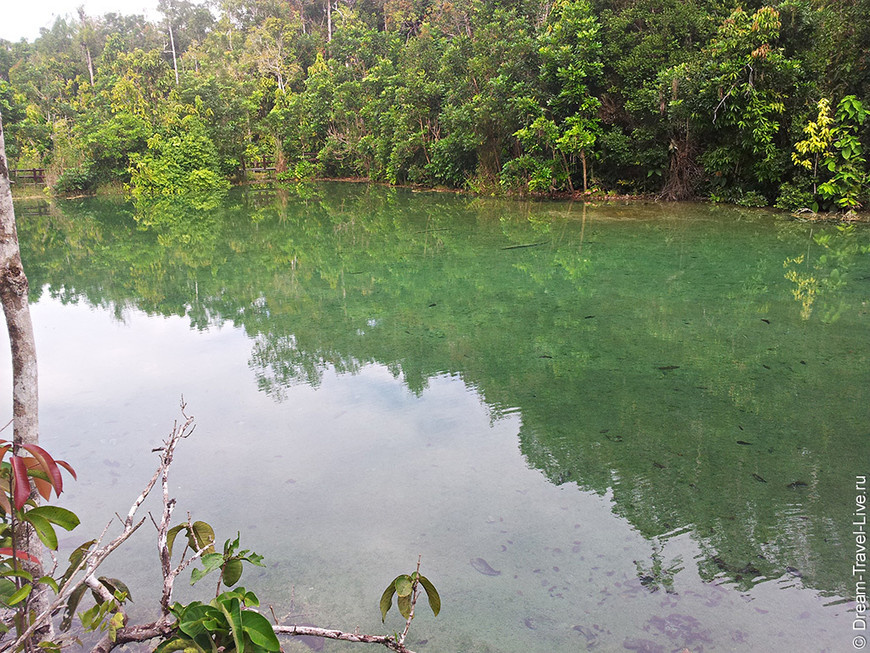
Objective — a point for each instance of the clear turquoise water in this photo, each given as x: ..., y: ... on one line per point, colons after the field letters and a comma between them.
x: 648, y: 418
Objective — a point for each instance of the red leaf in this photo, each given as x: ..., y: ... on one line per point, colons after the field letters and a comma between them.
x: 68, y: 468
x: 42, y: 486
x: 21, y: 483
x: 21, y: 555
x: 48, y: 465
x: 3, y: 451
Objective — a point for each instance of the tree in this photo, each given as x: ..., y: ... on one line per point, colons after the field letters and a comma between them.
x: 733, y: 95
x: 25, y: 388
x: 817, y: 144
x: 849, y: 185
x: 180, y: 159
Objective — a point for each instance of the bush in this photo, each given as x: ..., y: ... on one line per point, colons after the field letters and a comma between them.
x: 76, y: 181
x: 793, y: 198
x: 751, y: 198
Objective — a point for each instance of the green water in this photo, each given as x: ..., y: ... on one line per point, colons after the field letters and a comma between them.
x: 648, y: 418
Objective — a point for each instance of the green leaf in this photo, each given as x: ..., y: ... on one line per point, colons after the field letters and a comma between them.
x: 404, y: 605
x: 178, y: 644
x: 404, y: 585
x: 230, y: 546
x: 43, y: 528
x: 171, y: 534
x: 232, y: 610
x: 51, y: 582
x: 253, y: 558
x: 202, y: 536
x: 432, y: 595
x: 64, y: 518
x: 190, y: 620
x: 116, y: 622
x: 18, y: 573
x: 75, y: 559
x: 387, y: 600
x: 232, y: 572
x: 248, y: 598
x: 258, y: 628
x: 116, y: 586
x: 210, y: 562
x: 20, y: 595
x: 72, y: 604
x: 7, y: 589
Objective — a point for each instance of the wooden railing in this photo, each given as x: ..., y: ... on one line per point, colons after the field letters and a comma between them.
x: 260, y: 165
x: 27, y: 175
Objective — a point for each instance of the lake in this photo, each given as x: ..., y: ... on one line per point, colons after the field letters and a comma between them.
x: 603, y: 427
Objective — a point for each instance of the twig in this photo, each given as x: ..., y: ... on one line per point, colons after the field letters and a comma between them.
x: 95, y: 558
x: 415, y: 592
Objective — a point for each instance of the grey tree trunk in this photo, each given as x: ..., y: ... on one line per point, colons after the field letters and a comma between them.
x: 174, y: 60
x: 25, y: 394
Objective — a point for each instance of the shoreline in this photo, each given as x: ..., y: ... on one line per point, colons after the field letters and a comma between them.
x: 804, y: 215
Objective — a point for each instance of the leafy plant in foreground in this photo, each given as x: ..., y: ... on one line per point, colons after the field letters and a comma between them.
x: 30, y: 463
x: 227, y: 624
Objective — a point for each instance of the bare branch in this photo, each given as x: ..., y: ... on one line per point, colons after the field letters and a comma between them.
x: 311, y: 631
x: 95, y: 558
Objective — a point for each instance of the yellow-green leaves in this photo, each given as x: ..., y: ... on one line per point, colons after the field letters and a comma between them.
x: 405, y: 587
x: 818, y: 141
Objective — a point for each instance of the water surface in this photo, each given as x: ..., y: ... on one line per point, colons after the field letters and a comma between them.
x: 647, y: 419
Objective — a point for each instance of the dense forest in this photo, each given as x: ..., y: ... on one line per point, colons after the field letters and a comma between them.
x: 748, y: 103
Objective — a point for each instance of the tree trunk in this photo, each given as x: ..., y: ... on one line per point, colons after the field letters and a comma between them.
x: 174, y: 59
x: 280, y: 160
x: 25, y: 394
x: 90, y: 65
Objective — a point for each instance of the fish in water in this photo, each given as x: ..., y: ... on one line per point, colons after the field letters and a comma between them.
x: 483, y: 567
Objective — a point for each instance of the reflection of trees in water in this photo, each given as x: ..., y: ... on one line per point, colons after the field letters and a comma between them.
x: 655, y: 356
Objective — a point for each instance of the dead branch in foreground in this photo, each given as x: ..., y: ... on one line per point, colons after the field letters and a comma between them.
x: 164, y: 625
x: 310, y: 631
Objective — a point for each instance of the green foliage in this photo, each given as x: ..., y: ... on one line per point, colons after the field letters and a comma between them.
x: 734, y: 93
x: 180, y: 160
x: 74, y: 181
x: 228, y: 623
x: 29, y: 467
x: 817, y: 145
x: 404, y: 587
x: 105, y: 615
x: 793, y: 197
x: 229, y: 562
x: 660, y: 95
x: 850, y: 183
